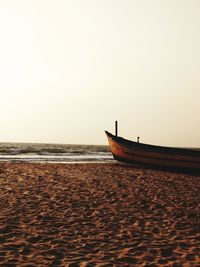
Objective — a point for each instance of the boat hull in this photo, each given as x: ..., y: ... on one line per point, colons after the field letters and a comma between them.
x: 155, y: 156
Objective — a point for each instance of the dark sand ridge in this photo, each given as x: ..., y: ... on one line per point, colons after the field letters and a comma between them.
x: 97, y: 215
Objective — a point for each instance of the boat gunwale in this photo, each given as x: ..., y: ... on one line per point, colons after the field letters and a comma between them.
x: 153, y: 148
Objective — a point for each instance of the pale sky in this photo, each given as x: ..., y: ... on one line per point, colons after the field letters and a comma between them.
x: 70, y: 68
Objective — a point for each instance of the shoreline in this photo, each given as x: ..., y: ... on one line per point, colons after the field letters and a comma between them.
x: 62, y: 162
x: 110, y: 162
x: 99, y: 214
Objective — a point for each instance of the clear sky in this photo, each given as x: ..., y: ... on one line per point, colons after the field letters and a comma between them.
x: 70, y: 68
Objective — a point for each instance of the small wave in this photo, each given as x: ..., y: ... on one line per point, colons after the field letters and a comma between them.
x: 53, y: 152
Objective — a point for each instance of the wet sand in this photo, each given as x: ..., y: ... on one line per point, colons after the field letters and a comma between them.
x: 97, y: 215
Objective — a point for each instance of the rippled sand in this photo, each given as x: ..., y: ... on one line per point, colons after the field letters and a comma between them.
x: 97, y: 215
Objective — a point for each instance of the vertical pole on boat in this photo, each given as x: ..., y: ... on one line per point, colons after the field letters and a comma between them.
x: 116, y: 128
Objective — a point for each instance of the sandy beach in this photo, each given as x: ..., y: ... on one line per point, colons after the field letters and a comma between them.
x: 97, y: 214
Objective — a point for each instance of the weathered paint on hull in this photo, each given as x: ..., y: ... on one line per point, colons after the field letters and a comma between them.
x: 153, y: 158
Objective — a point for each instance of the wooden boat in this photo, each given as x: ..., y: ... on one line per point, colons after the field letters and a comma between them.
x: 152, y: 155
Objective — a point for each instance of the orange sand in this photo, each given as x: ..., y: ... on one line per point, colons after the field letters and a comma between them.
x: 97, y: 215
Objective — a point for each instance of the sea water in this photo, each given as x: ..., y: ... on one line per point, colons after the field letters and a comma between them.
x: 53, y: 153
